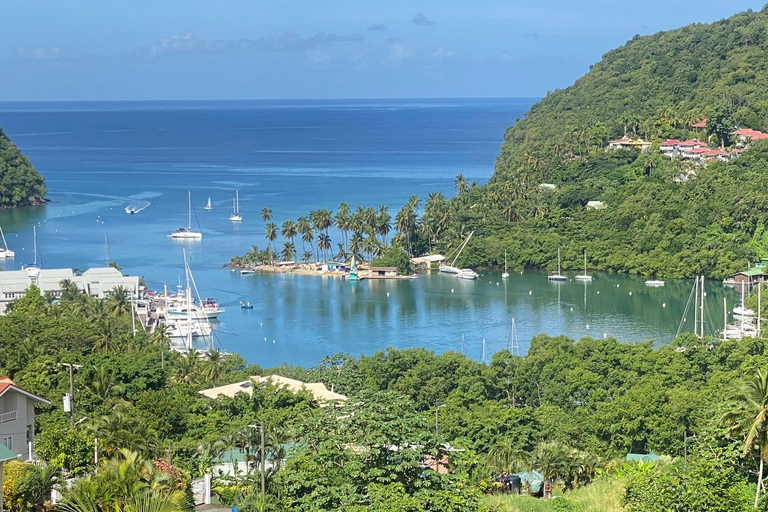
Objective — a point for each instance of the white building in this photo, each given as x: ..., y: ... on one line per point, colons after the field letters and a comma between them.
x: 96, y: 282
x: 17, y: 417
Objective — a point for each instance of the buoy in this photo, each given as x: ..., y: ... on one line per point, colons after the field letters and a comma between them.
x: 630, y: 294
x: 617, y: 285
x: 261, y: 324
x: 598, y: 292
x: 663, y: 304
x: 521, y: 272
x: 587, y: 326
x: 605, y: 335
x: 273, y: 341
x: 387, y: 294
x: 571, y: 309
x: 530, y: 292
x: 497, y: 284
x: 265, y: 339
x: 451, y: 290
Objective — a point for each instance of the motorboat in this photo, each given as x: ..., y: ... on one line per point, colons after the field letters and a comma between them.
x: 654, y: 282
x: 131, y: 210
x: 467, y: 273
x: 742, y: 310
x: 557, y: 277
x: 186, y: 233
x: 247, y: 271
x: 245, y: 305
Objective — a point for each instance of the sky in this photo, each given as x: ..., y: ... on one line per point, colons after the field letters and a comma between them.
x: 310, y: 49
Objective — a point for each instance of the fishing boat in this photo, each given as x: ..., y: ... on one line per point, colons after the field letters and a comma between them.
x: 452, y: 269
x: 505, y: 275
x: 467, y: 273
x: 654, y: 282
x: 245, y: 305
x: 32, y: 269
x: 584, y: 276
x: 186, y: 233
x: 557, y: 277
x: 208, y: 204
x: 4, y: 251
x: 235, y: 217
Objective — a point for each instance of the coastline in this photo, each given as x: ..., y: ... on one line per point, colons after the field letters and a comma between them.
x: 309, y: 269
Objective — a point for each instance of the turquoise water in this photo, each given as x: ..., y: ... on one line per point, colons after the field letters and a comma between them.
x: 293, y: 157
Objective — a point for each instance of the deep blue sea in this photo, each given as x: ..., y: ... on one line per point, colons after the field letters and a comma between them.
x: 294, y: 156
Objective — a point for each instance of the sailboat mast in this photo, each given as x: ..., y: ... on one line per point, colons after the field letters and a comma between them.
x: 696, y: 307
x: 106, y: 250
x: 701, y: 316
x: 585, y: 262
x: 725, y: 320
x: 34, y: 244
x: 558, y: 261
x: 5, y: 244
x: 237, y: 202
x: 189, y: 200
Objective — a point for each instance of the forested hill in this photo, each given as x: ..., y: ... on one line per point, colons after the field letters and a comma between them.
x: 654, y: 85
x: 665, y: 214
x: 20, y: 183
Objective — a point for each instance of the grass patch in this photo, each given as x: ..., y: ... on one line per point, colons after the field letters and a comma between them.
x: 603, y: 495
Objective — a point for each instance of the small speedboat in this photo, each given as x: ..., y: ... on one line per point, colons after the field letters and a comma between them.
x: 467, y: 273
x: 654, y: 282
x: 247, y: 272
x: 413, y: 276
x: 742, y: 310
x: 131, y: 210
x: 245, y: 305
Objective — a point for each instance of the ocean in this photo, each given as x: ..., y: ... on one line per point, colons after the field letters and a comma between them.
x: 292, y: 157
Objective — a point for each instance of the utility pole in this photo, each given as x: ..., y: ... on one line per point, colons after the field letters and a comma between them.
x: 263, y: 483
x: 437, y: 417
x: 71, y: 391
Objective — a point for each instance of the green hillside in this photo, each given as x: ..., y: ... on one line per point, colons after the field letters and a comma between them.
x: 20, y: 183
x: 656, y: 87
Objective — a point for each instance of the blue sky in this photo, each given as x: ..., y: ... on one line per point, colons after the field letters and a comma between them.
x: 267, y: 49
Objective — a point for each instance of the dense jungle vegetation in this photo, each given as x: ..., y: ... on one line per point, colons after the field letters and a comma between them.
x: 655, y: 87
x: 20, y: 183
x: 571, y: 410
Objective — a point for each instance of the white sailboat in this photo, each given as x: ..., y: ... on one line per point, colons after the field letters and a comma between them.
x: 584, y: 276
x: 452, y: 269
x: 31, y: 268
x: 235, y: 217
x: 4, y: 251
x: 186, y: 233
x: 557, y: 277
x: 505, y: 275
x: 741, y: 310
x: 208, y: 204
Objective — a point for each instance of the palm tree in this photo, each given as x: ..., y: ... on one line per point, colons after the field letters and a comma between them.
x: 105, y: 385
x: 266, y: 214
x: 289, y: 231
x: 383, y: 223
x: 161, y: 338
x: 289, y: 251
x: 105, y: 329
x: 324, y: 244
x: 270, y: 231
x: 461, y: 184
x: 303, y: 227
x: 342, y: 221
x: 214, y: 366
x: 342, y: 254
x: 119, y: 301
x: 306, y: 257
x: 749, y: 417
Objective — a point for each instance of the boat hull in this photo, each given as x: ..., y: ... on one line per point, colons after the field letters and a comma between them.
x: 557, y: 278
x: 187, y: 236
x: 447, y: 269
x: 584, y: 278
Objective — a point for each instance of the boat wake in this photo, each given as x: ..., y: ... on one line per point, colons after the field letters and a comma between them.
x: 136, y: 206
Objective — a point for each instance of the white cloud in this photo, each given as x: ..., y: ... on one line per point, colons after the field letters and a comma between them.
x: 285, y: 42
x: 442, y: 53
x: 45, y: 53
x: 317, y: 58
x: 400, y: 52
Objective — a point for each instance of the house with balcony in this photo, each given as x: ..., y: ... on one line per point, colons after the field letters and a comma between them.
x: 17, y: 417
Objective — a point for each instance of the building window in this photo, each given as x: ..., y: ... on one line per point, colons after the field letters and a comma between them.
x: 8, y: 442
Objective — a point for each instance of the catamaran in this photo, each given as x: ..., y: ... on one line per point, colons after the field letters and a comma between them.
x: 208, y: 204
x: 584, y: 276
x: 186, y: 232
x: 452, y: 269
x: 235, y: 217
x: 5, y: 252
x: 505, y: 275
x: 557, y: 277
